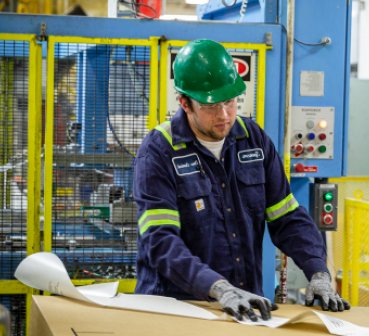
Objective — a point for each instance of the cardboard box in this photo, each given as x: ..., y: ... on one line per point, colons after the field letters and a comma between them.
x: 53, y: 315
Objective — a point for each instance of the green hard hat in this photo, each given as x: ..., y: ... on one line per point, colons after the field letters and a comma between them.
x: 204, y: 71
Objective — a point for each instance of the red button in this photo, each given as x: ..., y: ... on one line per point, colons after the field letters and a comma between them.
x: 299, y: 148
x: 299, y: 167
x: 322, y: 136
x: 327, y: 219
x: 310, y: 148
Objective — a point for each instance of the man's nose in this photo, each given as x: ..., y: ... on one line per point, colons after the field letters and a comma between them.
x: 222, y: 110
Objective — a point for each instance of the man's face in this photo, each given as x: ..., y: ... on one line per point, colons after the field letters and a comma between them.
x: 210, y: 122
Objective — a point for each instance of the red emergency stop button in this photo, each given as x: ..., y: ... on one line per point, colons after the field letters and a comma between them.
x: 327, y: 219
x: 299, y: 168
x: 299, y: 149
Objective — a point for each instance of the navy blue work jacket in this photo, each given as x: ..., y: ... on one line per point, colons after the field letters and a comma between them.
x: 201, y: 219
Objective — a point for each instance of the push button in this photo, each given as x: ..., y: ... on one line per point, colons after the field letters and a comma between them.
x: 310, y: 124
x: 322, y: 149
x: 328, y: 219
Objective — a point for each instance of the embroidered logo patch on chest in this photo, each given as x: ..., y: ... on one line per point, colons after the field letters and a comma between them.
x: 186, y: 165
x: 250, y: 155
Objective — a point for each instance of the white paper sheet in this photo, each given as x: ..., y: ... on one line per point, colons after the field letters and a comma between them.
x: 334, y: 325
x: 45, y: 271
x: 343, y: 328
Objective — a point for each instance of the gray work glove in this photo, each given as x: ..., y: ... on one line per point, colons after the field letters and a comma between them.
x: 320, y: 288
x: 238, y: 302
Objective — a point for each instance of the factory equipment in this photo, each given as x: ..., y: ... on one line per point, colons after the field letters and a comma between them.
x: 246, y: 63
x: 101, y: 101
x: 320, y: 68
x: 68, y: 152
x: 14, y: 72
x: 85, y: 145
x: 324, y: 205
x: 314, y: 113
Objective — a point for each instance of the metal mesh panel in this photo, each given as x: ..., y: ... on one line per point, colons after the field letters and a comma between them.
x: 16, y: 305
x: 100, y: 115
x: 13, y: 167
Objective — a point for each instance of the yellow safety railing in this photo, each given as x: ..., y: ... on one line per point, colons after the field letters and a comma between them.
x: 34, y: 160
x: 355, y: 277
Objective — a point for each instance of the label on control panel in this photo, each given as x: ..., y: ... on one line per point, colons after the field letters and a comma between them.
x: 312, y: 83
x: 312, y: 130
x: 301, y: 168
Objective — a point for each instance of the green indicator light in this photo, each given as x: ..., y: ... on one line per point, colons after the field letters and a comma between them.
x: 322, y: 149
x: 328, y: 207
x: 328, y: 196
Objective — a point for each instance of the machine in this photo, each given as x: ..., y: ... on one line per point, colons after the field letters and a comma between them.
x: 76, y: 127
x: 312, y: 129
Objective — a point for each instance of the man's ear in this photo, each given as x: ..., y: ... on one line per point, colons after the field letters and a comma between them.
x: 183, y: 101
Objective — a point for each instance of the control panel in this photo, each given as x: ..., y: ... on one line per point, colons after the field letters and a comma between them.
x: 324, y: 205
x: 312, y: 132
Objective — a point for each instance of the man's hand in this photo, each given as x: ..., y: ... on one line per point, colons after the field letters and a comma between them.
x: 238, y: 302
x: 320, y: 288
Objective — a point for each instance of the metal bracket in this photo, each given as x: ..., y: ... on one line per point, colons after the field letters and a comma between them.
x: 268, y: 39
x: 42, y: 37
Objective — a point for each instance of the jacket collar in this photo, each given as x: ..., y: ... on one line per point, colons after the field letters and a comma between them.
x: 182, y: 133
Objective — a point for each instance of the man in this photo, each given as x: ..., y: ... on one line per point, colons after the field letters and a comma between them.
x: 205, y: 183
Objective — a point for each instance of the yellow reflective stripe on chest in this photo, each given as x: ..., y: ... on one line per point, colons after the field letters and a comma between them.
x: 156, y: 217
x: 166, y: 130
x: 283, y: 207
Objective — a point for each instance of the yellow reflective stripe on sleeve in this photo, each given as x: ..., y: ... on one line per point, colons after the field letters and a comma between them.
x: 241, y: 122
x: 165, y: 129
x: 157, y: 217
x: 158, y: 212
x: 281, y: 208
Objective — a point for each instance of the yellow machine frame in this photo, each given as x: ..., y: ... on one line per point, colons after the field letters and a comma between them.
x: 34, y: 159
x: 156, y: 116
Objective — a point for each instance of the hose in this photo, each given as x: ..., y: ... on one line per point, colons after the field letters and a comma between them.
x: 243, y: 8
x: 224, y: 2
